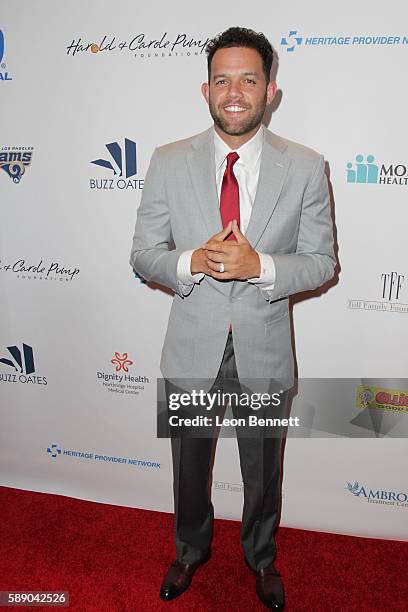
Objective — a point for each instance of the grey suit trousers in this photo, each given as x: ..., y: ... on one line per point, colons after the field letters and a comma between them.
x: 261, y: 469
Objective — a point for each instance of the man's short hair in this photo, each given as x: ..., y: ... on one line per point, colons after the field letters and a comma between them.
x: 242, y: 37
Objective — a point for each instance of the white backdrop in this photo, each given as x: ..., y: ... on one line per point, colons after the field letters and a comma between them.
x: 69, y: 423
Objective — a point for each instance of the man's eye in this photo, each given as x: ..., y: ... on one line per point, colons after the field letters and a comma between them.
x: 220, y: 82
x: 250, y: 81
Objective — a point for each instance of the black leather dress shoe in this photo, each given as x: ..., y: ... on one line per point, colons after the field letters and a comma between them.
x: 178, y: 578
x: 269, y: 587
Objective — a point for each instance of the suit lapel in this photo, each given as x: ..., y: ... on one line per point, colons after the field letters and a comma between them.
x: 201, y: 165
x: 273, y: 169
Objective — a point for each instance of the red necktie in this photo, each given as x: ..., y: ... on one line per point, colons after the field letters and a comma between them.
x: 229, y: 198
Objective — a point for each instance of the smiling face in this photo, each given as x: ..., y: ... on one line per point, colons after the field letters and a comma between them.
x: 237, y: 93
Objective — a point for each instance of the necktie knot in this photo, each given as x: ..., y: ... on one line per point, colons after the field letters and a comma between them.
x: 231, y: 159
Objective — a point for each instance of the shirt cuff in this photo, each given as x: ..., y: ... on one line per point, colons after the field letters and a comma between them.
x: 184, y: 275
x: 267, y: 277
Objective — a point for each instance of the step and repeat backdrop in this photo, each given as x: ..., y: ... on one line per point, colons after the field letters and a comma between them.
x: 87, y: 91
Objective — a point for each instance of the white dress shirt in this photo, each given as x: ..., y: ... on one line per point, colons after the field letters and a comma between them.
x: 246, y: 170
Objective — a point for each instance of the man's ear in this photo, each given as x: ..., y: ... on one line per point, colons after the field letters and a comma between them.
x: 205, y: 90
x: 271, y: 91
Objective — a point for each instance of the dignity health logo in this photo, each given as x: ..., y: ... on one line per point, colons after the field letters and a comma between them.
x: 4, y: 76
x: 120, y: 381
x: 378, y: 496
x: 55, y: 451
x: 122, y: 162
x: 293, y: 40
x: 366, y: 170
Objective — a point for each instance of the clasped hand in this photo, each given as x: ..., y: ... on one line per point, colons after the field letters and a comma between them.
x: 240, y: 260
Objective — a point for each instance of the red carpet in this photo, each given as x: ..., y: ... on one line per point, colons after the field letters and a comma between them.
x: 112, y: 559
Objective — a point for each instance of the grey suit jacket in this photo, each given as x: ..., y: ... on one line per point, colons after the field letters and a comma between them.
x: 290, y: 220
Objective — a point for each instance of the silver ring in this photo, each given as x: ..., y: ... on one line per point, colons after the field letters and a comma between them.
x: 222, y: 267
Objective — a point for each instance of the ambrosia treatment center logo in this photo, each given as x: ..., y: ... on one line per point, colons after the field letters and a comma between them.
x: 141, y: 46
x: 377, y: 496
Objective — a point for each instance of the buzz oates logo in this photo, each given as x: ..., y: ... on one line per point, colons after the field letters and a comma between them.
x: 140, y: 46
x: 367, y: 170
x: 120, y: 381
x: 17, y: 366
x: 399, y: 499
x: 39, y: 270
x: 14, y: 160
x: 390, y: 295
x: 122, y: 163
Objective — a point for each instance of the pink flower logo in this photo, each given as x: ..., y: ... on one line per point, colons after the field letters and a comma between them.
x: 121, y: 362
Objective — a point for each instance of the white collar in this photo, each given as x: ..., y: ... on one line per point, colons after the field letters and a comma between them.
x: 249, y: 152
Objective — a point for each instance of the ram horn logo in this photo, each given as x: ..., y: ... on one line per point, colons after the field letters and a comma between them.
x: 25, y: 361
x: 128, y: 164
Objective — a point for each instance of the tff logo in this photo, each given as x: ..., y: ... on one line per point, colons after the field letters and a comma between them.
x: 391, y: 285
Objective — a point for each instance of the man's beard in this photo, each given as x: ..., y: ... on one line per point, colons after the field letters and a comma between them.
x: 239, y: 129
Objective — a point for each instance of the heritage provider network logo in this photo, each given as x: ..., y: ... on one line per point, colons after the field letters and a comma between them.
x: 366, y: 170
x: 55, y: 451
x: 294, y: 39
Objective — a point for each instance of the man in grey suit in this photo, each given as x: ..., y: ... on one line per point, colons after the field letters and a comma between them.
x: 233, y: 220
